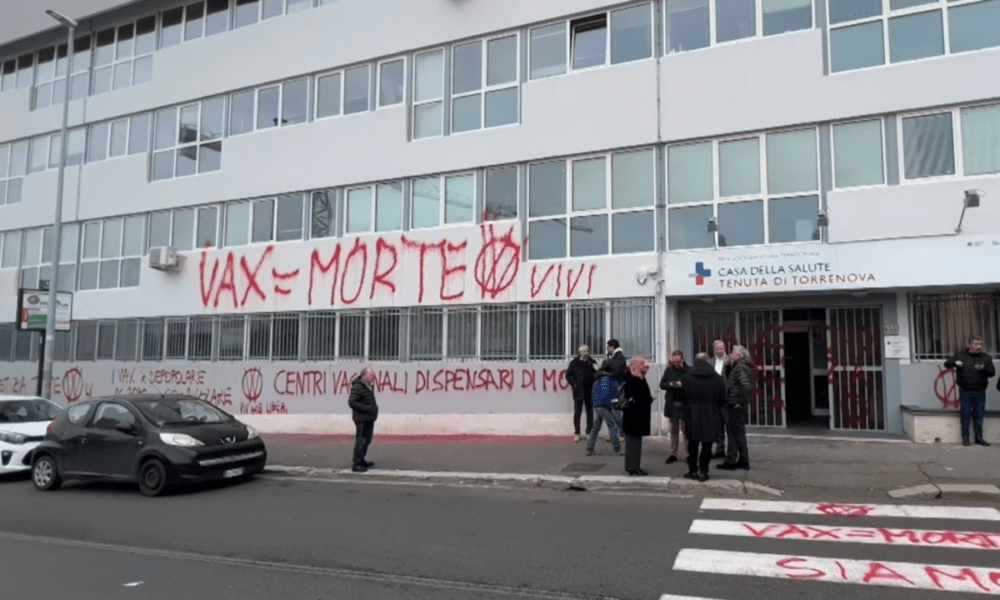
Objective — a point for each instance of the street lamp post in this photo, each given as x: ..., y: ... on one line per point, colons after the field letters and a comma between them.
x: 49, y: 344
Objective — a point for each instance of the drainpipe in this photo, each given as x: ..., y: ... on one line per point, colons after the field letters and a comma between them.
x: 660, y: 299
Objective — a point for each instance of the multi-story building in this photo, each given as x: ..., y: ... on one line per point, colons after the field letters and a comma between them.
x: 264, y: 195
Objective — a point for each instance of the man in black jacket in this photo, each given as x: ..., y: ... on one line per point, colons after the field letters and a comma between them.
x: 580, y: 376
x: 673, y: 404
x: 973, y: 368
x: 364, y: 411
x: 704, y: 394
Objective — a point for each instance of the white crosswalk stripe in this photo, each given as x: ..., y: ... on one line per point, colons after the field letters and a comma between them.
x: 850, y: 527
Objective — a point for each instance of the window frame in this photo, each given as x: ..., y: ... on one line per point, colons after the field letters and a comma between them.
x: 956, y: 145
x: 442, y: 180
x: 378, y: 84
x: 884, y: 148
x: 484, y: 89
x: 888, y: 14
x: 440, y: 100
x: 373, y: 189
x: 764, y: 195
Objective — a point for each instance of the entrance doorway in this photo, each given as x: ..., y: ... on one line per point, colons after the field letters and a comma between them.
x: 814, y: 367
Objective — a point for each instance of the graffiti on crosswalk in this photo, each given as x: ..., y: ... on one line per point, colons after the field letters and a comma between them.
x: 870, y: 510
x: 866, y: 535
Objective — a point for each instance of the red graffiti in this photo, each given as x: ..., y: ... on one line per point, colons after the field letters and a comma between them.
x: 253, y: 384
x: 300, y: 383
x: 946, y: 389
x: 72, y: 385
x: 957, y: 539
x: 896, y: 575
x: 843, y: 510
x: 498, y: 262
x: 464, y: 380
x: 382, y: 277
x: 572, y: 283
x: 233, y: 280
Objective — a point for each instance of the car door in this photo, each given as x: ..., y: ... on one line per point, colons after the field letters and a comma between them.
x: 71, y: 435
x: 113, y: 442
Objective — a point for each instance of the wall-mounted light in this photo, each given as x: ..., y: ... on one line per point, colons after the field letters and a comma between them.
x: 971, y: 200
x: 822, y: 219
x: 713, y: 225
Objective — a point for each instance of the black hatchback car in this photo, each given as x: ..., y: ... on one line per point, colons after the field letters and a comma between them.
x: 155, y: 441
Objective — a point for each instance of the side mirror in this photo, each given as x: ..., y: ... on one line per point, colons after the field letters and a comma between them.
x: 127, y: 429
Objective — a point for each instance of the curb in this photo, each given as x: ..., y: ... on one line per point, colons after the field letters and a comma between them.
x: 940, y: 490
x: 562, y: 482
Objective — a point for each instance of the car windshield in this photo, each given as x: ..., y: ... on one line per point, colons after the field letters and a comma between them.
x: 29, y: 410
x: 175, y: 411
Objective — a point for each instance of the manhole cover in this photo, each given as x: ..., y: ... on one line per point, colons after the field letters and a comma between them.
x: 583, y: 467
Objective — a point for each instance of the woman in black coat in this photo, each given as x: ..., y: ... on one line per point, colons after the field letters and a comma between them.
x: 636, y: 416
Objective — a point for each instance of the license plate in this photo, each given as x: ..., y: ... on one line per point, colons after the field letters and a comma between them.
x: 232, y: 473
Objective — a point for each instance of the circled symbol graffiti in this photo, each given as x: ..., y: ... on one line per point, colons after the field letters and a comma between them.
x: 843, y: 510
x: 946, y: 389
x: 253, y: 384
x: 72, y: 385
x: 498, y: 262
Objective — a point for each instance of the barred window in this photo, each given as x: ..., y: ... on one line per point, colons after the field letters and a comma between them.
x: 943, y: 323
x: 547, y: 331
x: 7, y: 334
x: 384, y: 335
x: 321, y: 336
x: 499, y: 339
x: 426, y: 334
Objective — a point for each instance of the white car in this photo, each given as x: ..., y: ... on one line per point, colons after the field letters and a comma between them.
x: 23, y: 421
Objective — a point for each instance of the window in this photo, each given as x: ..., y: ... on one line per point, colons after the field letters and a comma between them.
x: 188, y: 140
x: 502, y: 191
x: 427, y: 334
x: 548, y: 51
x: 153, y: 339
x: 485, y: 94
x: 943, y: 144
x: 589, y: 41
x: 390, y: 83
x: 606, y: 201
x: 247, y: 13
x: 323, y: 223
x: 25, y: 70
x: 381, y: 205
x: 50, y: 77
x: 79, y: 69
x: 631, y: 34
x: 328, y: 95
x: 122, y: 56
x: 428, y: 94
x: 858, y: 154
x: 457, y: 204
x: 111, y: 255
x: 357, y: 90
x: 928, y: 146
x: 943, y: 323
x: 266, y: 220
x: 171, y: 27
x: 281, y: 105
x: 695, y: 24
x: 8, y: 75
x: 11, y: 257
x: 172, y: 228
x: 13, y: 168
x: 208, y: 227
x: 499, y: 339
x: 761, y: 189
x: 37, y: 256
x: 865, y: 33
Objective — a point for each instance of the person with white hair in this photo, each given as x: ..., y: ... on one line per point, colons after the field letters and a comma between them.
x: 580, y: 375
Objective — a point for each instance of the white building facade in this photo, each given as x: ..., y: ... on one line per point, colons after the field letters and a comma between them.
x: 460, y: 193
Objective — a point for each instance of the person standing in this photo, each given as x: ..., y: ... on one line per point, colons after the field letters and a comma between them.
x: 720, y: 362
x: 618, y: 365
x: 364, y: 411
x: 673, y: 403
x: 604, y: 392
x: 973, y: 368
x: 580, y: 375
x: 737, y: 404
x: 635, y: 416
x: 703, y: 393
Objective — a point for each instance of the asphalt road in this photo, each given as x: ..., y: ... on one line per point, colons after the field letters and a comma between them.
x: 301, y: 539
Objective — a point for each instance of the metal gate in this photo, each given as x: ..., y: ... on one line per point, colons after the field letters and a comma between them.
x: 854, y: 368
x: 760, y: 331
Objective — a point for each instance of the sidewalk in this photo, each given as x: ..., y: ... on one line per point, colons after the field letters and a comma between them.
x: 819, y: 468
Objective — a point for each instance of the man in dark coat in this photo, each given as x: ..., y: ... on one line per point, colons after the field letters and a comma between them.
x: 580, y: 375
x: 973, y: 368
x: 704, y: 394
x: 364, y: 411
x: 673, y: 404
x: 617, y: 361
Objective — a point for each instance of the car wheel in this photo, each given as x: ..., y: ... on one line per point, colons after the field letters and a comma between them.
x: 45, y: 474
x: 153, y: 478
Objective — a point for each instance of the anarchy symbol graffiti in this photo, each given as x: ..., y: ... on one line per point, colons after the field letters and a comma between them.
x: 253, y: 384
x: 72, y: 385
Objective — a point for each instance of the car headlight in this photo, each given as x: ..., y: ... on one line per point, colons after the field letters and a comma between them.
x: 12, y: 438
x: 251, y: 432
x: 179, y: 439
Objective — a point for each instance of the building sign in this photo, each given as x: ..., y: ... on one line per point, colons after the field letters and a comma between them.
x: 782, y: 270
x: 828, y: 267
x: 33, y: 308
